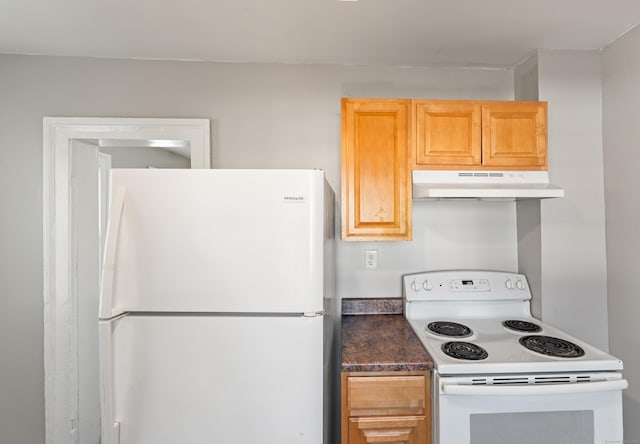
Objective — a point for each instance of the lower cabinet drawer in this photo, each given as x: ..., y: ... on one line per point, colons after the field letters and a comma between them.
x: 386, y: 395
x: 396, y: 430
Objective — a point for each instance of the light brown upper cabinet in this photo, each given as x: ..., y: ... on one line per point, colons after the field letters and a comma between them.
x: 383, y: 140
x: 376, y: 179
x: 462, y: 134
x: 447, y: 132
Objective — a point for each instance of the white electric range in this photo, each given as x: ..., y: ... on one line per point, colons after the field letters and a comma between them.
x: 503, y: 376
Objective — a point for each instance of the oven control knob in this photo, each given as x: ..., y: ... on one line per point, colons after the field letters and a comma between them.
x: 520, y: 284
x: 509, y: 284
x: 427, y: 285
x: 414, y: 286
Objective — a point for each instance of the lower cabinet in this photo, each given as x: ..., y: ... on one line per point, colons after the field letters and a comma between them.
x: 390, y: 407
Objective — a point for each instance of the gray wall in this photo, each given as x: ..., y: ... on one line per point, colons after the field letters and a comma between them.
x: 574, y: 283
x: 145, y: 157
x: 562, y: 241
x: 288, y: 116
x: 263, y: 115
x: 621, y: 96
x: 529, y: 227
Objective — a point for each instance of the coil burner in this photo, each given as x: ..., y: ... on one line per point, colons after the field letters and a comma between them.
x: 550, y: 346
x: 522, y: 326
x: 450, y: 329
x: 464, y: 350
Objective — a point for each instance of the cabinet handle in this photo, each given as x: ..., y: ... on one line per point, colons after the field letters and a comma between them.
x: 384, y: 436
x: 532, y: 389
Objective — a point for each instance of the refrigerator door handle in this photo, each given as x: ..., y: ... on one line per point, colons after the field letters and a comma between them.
x: 110, y: 430
x: 111, y: 247
x: 312, y: 314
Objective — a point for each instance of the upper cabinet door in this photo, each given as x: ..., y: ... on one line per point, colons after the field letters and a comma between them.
x: 514, y: 134
x: 376, y: 181
x: 447, y: 132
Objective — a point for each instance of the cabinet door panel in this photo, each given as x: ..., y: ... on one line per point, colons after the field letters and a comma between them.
x: 375, y: 175
x: 514, y: 133
x: 447, y: 132
x: 388, y: 430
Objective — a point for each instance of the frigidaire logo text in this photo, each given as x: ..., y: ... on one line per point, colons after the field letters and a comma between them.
x: 293, y: 198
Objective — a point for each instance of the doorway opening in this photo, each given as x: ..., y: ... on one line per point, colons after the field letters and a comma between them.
x: 77, y: 154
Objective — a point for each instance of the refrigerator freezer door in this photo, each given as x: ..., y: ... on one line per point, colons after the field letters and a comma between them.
x: 212, y: 379
x: 234, y: 241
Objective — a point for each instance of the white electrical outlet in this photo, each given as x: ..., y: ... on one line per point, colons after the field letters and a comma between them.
x: 370, y: 259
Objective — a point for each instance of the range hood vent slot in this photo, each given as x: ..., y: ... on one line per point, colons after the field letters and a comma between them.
x: 487, y: 185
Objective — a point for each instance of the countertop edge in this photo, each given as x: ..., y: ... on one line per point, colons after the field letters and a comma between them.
x: 381, y: 343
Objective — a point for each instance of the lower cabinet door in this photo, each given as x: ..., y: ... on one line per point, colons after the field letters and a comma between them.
x: 388, y: 430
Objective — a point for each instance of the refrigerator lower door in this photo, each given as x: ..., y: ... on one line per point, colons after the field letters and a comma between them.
x: 212, y: 379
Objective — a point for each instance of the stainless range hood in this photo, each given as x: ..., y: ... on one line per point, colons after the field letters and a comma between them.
x: 487, y: 185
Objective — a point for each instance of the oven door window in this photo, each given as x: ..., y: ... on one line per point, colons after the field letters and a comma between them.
x: 567, y: 427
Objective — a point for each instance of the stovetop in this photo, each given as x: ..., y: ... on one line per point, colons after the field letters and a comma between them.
x: 479, y: 322
x: 505, y: 353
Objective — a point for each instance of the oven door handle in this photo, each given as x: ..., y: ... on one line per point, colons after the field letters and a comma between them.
x: 532, y: 389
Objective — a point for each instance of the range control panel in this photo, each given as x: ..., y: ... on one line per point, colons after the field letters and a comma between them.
x: 465, y: 285
x: 468, y: 285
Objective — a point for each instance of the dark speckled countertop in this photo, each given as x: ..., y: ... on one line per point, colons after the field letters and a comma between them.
x: 376, y: 338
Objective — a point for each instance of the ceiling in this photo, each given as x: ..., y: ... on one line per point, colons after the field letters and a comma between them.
x: 491, y: 33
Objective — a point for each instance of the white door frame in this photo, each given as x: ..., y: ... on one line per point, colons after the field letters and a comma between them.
x: 60, y: 299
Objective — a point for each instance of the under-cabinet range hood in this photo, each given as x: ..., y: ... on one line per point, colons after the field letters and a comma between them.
x: 487, y: 185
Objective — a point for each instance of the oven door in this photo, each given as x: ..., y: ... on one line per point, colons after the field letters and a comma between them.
x: 581, y: 408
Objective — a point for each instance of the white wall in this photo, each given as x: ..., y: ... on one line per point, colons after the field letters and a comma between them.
x: 263, y: 115
x: 621, y: 96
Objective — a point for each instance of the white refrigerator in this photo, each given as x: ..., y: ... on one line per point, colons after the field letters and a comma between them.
x: 216, y: 307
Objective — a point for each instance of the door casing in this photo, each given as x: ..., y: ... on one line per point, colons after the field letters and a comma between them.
x: 60, y: 298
